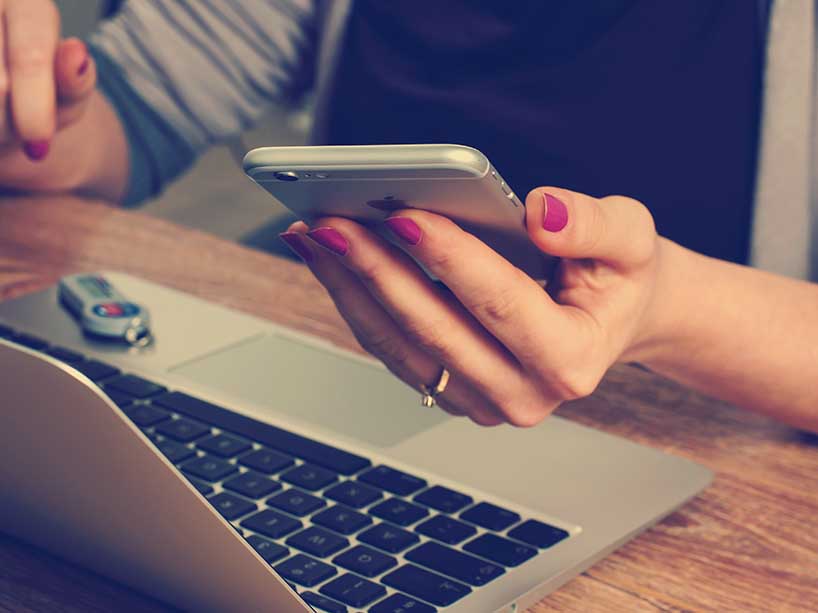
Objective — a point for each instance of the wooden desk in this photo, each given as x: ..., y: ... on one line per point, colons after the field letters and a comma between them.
x: 749, y: 543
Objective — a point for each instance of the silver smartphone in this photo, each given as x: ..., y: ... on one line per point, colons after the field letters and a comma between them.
x: 368, y: 182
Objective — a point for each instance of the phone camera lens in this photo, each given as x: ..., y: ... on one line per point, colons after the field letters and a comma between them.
x: 286, y: 176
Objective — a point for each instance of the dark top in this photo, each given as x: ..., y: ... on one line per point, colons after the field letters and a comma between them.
x: 654, y: 100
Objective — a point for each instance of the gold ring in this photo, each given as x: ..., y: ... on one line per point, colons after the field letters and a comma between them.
x: 430, y: 393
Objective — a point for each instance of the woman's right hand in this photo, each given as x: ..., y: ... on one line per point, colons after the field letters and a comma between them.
x: 46, y: 84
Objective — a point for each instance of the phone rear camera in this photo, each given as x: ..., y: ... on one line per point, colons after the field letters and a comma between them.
x: 286, y: 176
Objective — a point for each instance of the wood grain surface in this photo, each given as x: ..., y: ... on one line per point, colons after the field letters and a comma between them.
x: 748, y: 543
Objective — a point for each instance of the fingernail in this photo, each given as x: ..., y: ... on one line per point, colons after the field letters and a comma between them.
x: 406, y: 229
x: 556, y: 214
x: 331, y: 239
x: 296, y: 242
x: 84, y: 66
x: 36, y: 150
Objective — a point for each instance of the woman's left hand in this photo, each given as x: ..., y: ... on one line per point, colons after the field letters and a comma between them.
x: 514, y: 351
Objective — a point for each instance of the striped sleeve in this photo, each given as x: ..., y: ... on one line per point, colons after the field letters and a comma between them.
x: 197, y: 72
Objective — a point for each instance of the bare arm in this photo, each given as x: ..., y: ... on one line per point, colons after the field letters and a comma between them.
x: 736, y: 333
x: 90, y: 156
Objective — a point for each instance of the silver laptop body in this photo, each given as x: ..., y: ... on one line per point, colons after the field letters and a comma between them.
x: 81, y: 480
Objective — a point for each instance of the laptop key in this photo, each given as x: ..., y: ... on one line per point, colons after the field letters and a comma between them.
x: 173, y: 451
x: 121, y: 400
x: 365, y: 561
x: 341, y: 519
x: 30, y: 341
x: 203, y: 488
x: 223, y: 445
x: 268, y: 550
x: 353, y: 494
x: 135, y: 386
x: 96, y: 370
x: 288, y: 442
x: 426, y: 585
x: 322, y: 603
x: 318, y: 542
x: 309, y: 477
x: 64, y: 355
x: 296, y: 502
x: 399, y: 511
x: 500, y: 550
x: 443, y: 499
x: 455, y: 564
x: 266, y: 461
x: 145, y: 415
x: 490, y: 516
x: 354, y: 591
x: 208, y: 468
x: 446, y: 529
x: 391, y: 480
x: 538, y: 534
x: 401, y: 603
x: 230, y: 506
x: 271, y: 523
x: 252, y: 485
x: 183, y: 429
x: 304, y: 570
x: 388, y: 538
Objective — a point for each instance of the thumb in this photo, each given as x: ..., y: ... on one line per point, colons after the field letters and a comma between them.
x: 75, y: 73
x: 617, y: 230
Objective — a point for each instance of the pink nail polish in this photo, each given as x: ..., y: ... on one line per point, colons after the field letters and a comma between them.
x: 36, y: 150
x: 405, y: 229
x: 296, y: 242
x: 331, y: 239
x: 84, y: 66
x: 556, y: 214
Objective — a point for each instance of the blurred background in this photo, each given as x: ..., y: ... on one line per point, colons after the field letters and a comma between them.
x: 214, y: 196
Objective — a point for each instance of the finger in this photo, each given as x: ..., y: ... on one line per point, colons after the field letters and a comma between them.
x: 616, y: 230
x: 75, y: 73
x: 32, y: 30
x: 506, y: 301
x: 378, y: 333
x: 429, y: 317
x: 556, y: 343
x: 298, y: 226
x: 353, y: 313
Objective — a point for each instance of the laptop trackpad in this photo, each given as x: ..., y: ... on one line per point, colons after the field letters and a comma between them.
x: 317, y: 386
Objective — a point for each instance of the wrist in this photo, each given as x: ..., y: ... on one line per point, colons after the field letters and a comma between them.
x: 89, y: 157
x: 664, y: 326
x: 104, y: 168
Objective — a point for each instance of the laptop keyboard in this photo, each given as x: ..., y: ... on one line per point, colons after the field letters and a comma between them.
x: 347, y: 534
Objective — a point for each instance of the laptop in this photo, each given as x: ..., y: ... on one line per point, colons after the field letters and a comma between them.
x: 236, y: 465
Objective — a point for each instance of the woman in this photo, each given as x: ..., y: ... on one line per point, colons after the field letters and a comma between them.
x: 673, y: 94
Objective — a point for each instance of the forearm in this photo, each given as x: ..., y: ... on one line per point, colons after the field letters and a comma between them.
x: 101, y: 149
x: 90, y: 156
x: 736, y: 333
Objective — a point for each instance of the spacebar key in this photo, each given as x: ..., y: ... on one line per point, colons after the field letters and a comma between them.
x: 281, y: 440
